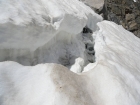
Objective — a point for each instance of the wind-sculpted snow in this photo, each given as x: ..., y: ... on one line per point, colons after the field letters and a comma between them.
x: 114, y: 79
x: 40, y: 31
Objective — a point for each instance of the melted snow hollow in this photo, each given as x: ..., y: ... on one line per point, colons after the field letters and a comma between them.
x: 28, y: 38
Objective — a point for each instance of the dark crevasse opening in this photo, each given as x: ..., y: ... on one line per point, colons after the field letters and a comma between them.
x: 89, y: 44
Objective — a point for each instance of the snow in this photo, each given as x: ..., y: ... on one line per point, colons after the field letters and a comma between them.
x: 98, y: 4
x: 43, y: 31
x: 28, y: 37
x: 135, y: 0
x: 114, y: 79
x: 77, y: 67
x: 116, y: 74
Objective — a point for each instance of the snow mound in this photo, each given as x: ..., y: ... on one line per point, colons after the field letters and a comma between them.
x: 113, y: 80
x: 41, y: 31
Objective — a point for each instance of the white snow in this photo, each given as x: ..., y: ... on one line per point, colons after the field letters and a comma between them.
x: 98, y: 4
x: 135, y: 0
x: 33, y: 32
x: 113, y: 80
x: 116, y: 76
x: 40, y: 31
x: 77, y: 67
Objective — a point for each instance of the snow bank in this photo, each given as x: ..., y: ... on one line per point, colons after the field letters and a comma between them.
x: 113, y: 80
x: 44, y: 84
x: 33, y: 32
x: 115, y: 77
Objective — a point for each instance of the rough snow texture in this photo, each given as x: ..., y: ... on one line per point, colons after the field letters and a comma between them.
x: 41, y: 31
x: 113, y: 80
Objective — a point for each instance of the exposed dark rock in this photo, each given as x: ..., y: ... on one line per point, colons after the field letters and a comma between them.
x: 129, y: 17
x: 87, y: 30
x: 123, y: 12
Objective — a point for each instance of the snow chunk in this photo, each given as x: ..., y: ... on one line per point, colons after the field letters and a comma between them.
x: 31, y: 30
x: 78, y: 66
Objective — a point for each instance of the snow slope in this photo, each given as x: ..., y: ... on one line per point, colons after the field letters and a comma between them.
x: 113, y: 80
x: 40, y: 31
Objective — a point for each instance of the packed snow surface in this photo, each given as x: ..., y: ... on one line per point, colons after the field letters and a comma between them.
x: 113, y: 80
